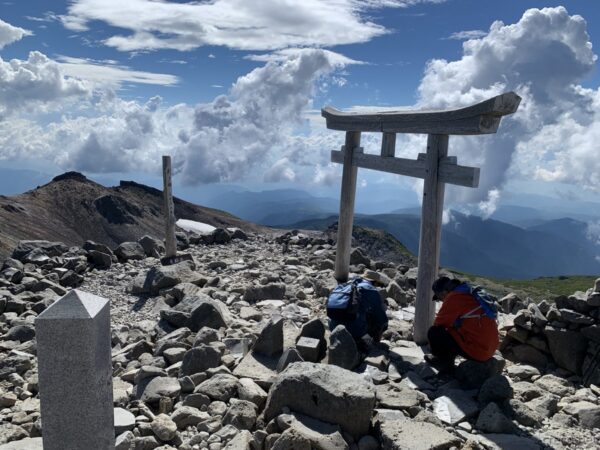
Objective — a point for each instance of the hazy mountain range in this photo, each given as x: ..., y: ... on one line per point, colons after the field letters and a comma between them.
x: 515, y: 242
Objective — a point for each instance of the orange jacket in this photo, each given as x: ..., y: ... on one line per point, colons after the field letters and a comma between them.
x: 478, y: 337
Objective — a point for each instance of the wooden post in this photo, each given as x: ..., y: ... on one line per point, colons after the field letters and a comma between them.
x: 388, y: 145
x: 344, y: 232
x: 431, y: 229
x: 170, y: 239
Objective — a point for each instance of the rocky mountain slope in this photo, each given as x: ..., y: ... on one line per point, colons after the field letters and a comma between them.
x: 231, y: 351
x: 72, y: 209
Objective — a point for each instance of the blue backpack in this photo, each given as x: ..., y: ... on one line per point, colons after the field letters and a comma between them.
x: 487, y: 303
x: 343, y: 302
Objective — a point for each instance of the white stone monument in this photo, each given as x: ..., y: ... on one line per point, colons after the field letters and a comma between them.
x: 75, y: 373
x: 435, y: 167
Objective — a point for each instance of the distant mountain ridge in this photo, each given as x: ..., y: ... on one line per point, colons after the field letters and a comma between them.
x: 493, y: 248
x: 72, y: 209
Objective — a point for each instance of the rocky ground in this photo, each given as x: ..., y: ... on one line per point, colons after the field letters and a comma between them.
x: 231, y: 351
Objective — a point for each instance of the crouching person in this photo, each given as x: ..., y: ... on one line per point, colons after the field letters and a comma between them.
x: 465, y: 325
x: 358, y: 306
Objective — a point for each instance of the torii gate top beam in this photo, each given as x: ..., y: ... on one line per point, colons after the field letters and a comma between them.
x: 482, y: 118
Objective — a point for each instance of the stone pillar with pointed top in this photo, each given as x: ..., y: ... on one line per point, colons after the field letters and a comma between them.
x: 75, y: 373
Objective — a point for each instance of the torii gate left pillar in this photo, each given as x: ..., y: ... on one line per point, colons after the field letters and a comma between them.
x: 435, y: 167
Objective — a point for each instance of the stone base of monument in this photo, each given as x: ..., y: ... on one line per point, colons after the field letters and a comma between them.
x: 170, y: 260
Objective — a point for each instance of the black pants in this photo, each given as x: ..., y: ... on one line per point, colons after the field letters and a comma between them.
x: 443, y: 346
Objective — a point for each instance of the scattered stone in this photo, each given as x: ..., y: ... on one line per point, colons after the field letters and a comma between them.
x: 408, y: 435
x: 336, y: 396
x: 342, y: 349
x: 270, y: 340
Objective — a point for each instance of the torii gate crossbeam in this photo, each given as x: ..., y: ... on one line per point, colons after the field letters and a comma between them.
x: 435, y: 167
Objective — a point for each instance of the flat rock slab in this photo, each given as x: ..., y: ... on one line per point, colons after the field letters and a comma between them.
x: 259, y: 368
x: 325, y: 392
x: 506, y: 441
x: 411, y: 355
x: 454, y: 407
x: 410, y: 435
x: 24, y: 444
x: 394, y: 396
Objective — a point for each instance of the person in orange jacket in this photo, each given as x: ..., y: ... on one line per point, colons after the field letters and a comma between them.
x: 461, y: 326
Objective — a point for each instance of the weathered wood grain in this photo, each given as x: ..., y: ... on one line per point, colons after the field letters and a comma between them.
x: 344, y: 233
x: 450, y: 172
x: 431, y: 230
x: 481, y: 118
x: 170, y: 239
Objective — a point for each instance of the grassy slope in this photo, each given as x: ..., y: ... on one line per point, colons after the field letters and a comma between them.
x: 538, y: 289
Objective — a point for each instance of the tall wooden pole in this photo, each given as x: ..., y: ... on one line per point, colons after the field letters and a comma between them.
x: 431, y: 230
x: 170, y: 239
x: 344, y: 232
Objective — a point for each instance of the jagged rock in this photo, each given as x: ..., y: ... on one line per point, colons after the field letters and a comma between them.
x: 396, y: 396
x: 530, y: 355
x: 124, y: 421
x: 320, y: 435
x: 160, y: 387
x: 511, y: 304
x: 273, y: 291
x: 524, y: 414
x: 241, y: 414
x: 342, y: 349
x: 186, y: 415
x: 270, y: 340
x: 210, y: 313
x: 162, y: 277
x: 252, y: 392
x: 522, y: 372
x: 555, y: 385
x: 409, y: 435
x: 241, y: 441
x: 495, y: 389
x: 492, y: 420
x: 315, y: 329
x: 199, y: 359
x: 220, y: 236
x: 291, y: 440
x: 289, y: 356
x: 219, y: 387
x: 567, y: 348
x: 152, y: 246
x: 47, y: 248
x: 100, y: 260
x: 394, y: 291
x: 336, y: 396
x: 164, y: 428
x: 130, y: 251
x: 472, y: 374
x: 357, y: 256
x: 21, y: 333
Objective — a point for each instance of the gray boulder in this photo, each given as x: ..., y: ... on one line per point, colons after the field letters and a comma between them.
x: 100, y: 259
x: 270, y: 340
x: 411, y: 435
x: 492, y: 420
x: 273, y: 291
x: 336, y: 396
x: 342, y: 349
x: 152, y: 246
x: 568, y: 348
x: 199, y: 359
x: 472, y: 374
x: 162, y: 277
x: 130, y: 251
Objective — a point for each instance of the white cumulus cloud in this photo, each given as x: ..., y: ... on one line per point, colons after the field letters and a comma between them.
x: 10, y: 33
x: 543, y: 57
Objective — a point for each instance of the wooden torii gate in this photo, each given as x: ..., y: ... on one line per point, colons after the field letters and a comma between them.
x: 435, y: 167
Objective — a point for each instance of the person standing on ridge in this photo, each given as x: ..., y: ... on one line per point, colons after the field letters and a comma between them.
x: 465, y: 324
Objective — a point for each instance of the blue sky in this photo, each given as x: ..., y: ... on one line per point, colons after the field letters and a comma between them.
x: 241, y: 83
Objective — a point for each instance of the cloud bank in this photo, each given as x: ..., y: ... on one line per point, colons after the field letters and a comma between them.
x: 237, y: 24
